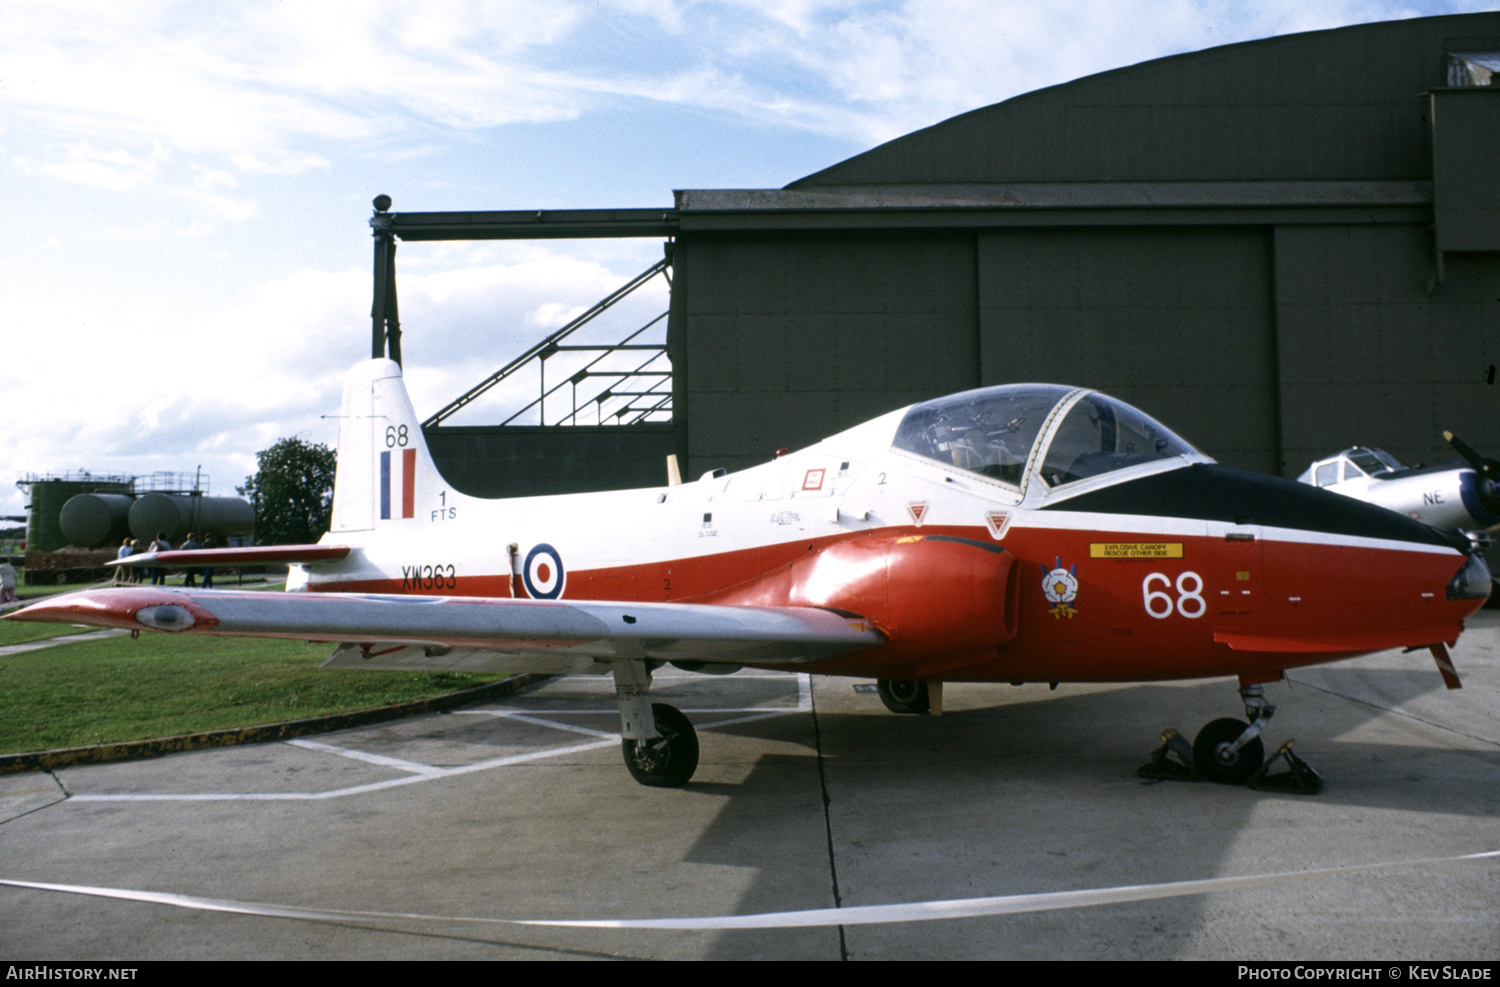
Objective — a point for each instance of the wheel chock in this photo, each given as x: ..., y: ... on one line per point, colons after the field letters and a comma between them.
x: 1163, y: 766
x: 1298, y: 779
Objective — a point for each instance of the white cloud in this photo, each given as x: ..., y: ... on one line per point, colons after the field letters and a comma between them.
x: 116, y: 169
x: 197, y: 114
x: 150, y: 391
x: 282, y: 88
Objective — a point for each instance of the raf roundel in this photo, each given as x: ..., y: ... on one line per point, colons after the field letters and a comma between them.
x: 543, y: 573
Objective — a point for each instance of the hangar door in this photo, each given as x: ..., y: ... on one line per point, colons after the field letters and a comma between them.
x: 1177, y: 321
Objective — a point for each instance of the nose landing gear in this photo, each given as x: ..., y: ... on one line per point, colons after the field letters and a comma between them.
x: 1230, y: 752
x: 1222, y: 752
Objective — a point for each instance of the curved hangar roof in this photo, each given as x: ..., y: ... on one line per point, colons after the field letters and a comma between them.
x: 1336, y: 105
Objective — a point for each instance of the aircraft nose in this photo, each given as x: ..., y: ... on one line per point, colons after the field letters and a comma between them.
x: 1472, y: 581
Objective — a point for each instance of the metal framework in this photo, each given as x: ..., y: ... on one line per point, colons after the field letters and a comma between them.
x: 638, y: 393
x: 161, y: 481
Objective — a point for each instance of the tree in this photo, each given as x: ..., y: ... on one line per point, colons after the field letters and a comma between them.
x: 292, y: 491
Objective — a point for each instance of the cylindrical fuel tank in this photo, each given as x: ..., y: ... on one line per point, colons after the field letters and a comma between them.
x: 92, y: 519
x: 174, y: 515
x: 47, y: 498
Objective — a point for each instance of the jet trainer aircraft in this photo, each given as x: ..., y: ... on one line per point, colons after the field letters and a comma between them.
x: 1020, y: 533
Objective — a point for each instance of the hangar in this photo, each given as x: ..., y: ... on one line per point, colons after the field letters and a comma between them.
x: 1279, y: 248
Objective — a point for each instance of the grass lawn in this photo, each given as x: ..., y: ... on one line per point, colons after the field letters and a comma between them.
x: 160, y: 685
x: 15, y: 632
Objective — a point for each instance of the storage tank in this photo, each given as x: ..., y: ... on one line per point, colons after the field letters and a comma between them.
x: 92, y: 519
x: 48, y: 496
x: 174, y: 515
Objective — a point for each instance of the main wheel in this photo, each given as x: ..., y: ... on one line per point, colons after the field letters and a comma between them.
x: 1211, y: 752
x: 903, y: 695
x: 667, y: 761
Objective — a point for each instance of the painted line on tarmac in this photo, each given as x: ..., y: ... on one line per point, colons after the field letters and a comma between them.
x: 918, y: 911
x: 415, y: 767
x: 375, y: 786
x: 521, y: 714
x: 539, y: 721
x: 418, y: 772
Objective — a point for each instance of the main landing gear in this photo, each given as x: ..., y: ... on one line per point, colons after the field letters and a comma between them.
x: 1231, y: 752
x: 904, y: 695
x: 658, y: 741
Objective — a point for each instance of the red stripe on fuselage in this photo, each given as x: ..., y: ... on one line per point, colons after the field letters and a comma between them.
x: 1110, y: 635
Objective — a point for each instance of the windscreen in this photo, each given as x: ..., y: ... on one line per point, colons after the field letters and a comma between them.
x: 989, y: 431
x: 1372, y: 461
x: 1101, y: 435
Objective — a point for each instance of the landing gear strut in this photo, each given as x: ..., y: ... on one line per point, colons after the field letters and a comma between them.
x: 658, y: 741
x: 1231, y: 752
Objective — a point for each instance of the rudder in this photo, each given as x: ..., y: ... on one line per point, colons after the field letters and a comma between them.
x: 384, y: 473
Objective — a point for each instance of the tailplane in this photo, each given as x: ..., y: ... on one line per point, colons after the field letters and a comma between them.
x: 385, y: 474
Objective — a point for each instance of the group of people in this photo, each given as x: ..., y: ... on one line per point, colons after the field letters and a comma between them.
x: 132, y: 546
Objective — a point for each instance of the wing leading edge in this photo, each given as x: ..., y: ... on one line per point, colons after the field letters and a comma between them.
x: 422, y: 627
x: 249, y: 555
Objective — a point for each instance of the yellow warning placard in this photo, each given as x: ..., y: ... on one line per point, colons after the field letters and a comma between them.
x: 1135, y: 550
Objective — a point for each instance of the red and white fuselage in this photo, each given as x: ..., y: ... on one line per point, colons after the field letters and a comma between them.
x: 1021, y: 533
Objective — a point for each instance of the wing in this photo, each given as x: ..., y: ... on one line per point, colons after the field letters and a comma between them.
x: 253, y: 555
x: 476, y: 633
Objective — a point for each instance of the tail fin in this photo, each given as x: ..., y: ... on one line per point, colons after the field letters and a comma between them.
x: 385, y: 474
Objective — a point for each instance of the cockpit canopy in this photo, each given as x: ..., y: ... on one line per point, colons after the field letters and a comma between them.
x: 992, y: 432
x: 1353, y: 463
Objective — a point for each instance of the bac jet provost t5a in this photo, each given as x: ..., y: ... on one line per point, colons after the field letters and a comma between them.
x: 1020, y: 533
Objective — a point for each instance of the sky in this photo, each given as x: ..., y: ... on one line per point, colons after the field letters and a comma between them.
x: 185, y: 259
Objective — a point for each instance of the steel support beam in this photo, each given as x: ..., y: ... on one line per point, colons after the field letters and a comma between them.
x: 385, y: 319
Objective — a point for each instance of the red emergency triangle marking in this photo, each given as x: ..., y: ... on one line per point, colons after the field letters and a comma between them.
x: 998, y: 521
x: 918, y: 510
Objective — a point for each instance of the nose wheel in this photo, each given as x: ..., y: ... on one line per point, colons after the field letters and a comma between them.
x: 1230, y: 752
x: 1219, y: 756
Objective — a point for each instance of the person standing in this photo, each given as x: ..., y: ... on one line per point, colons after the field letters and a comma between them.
x: 159, y: 573
x: 123, y: 574
x: 208, y: 570
x: 189, y: 545
x: 7, y: 580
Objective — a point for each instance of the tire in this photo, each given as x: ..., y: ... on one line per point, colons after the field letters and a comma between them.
x: 1217, y: 736
x: 903, y: 695
x: 667, y: 761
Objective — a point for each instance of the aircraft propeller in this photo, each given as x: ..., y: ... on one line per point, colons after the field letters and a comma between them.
x: 1487, y: 468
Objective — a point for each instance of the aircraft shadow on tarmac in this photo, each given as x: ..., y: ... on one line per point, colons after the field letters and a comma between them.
x: 1039, y: 793
x: 1103, y: 736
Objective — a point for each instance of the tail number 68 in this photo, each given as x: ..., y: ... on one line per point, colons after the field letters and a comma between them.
x: 1159, y: 602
